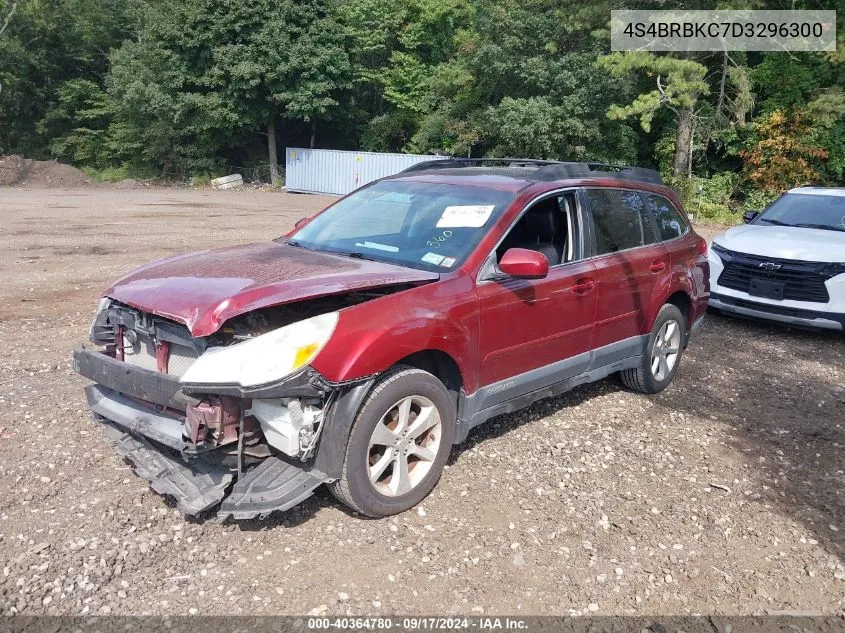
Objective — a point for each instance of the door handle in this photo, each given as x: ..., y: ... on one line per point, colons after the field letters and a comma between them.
x: 583, y: 285
x: 658, y: 265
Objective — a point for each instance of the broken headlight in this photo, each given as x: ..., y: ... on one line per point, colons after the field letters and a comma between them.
x: 265, y: 358
x: 100, y: 333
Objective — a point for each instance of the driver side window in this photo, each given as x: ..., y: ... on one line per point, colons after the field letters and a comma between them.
x: 549, y: 226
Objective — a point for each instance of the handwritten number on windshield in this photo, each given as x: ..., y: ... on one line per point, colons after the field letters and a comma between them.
x: 437, y: 239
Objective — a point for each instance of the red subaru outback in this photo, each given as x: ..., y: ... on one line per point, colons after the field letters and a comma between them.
x: 358, y: 348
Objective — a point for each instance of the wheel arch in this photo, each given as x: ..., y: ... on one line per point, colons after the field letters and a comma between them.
x: 679, y: 298
x: 341, y: 417
x: 438, y: 363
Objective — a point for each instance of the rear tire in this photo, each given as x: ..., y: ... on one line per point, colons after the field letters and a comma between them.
x: 398, y: 445
x: 663, y: 353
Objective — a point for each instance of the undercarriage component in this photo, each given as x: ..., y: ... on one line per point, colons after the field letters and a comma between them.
x: 195, y: 489
x: 272, y: 485
x: 216, y: 419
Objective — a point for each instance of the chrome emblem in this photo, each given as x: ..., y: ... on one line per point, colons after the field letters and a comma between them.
x: 770, y: 266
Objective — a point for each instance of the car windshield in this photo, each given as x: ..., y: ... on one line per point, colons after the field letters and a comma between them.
x: 814, y: 211
x: 422, y: 225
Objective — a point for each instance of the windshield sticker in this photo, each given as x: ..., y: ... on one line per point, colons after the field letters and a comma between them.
x: 378, y: 247
x: 470, y: 216
x: 448, y: 262
x: 432, y: 258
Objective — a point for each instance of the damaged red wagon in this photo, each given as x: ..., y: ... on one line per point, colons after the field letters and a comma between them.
x: 356, y: 350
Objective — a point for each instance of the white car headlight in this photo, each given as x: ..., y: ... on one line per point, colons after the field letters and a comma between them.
x: 265, y: 358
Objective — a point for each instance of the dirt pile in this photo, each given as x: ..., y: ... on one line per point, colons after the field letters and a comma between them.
x: 40, y: 174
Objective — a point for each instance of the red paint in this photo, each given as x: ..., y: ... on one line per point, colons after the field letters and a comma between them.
x: 492, y: 329
x: 525, y: 324
x: 162, y: 356
x: 627, y: 292
x: 204, y: 290
x: 522, y: 263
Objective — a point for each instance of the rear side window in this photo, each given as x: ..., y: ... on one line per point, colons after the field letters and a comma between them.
x: 617, y: 221
x: 670, y: 222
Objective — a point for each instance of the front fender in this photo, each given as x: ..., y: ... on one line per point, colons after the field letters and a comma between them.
x: 373, y: 336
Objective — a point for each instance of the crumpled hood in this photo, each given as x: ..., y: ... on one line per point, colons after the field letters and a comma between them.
x: 785, y: 242
x: 203, y: 290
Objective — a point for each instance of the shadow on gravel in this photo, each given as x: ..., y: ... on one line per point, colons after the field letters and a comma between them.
x: 777, y: 389
x: 788, y: 423
x: 508, y: 422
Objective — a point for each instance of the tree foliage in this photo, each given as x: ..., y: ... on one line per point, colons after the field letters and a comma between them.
x: 181, y: 88
x: 781, y: 154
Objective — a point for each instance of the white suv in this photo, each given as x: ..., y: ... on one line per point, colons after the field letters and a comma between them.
x: 787, y: 263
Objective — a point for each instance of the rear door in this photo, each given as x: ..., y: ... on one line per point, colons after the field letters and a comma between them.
x: 631, y: 266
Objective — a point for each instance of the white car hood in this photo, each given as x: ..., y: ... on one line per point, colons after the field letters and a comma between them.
x: 785, y: 242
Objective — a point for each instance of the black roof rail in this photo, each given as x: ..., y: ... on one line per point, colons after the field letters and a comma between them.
x: 457, y: 162
x: 547, y: 169
x: 561, y: 171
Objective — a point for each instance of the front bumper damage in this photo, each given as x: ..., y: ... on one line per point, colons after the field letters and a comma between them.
x: 144, y: 414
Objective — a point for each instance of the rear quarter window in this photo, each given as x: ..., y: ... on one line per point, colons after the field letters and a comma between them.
x: 671, y: 223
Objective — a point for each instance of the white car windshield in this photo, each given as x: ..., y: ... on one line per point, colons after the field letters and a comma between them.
x: 429, y: 226
x: 813, y: 211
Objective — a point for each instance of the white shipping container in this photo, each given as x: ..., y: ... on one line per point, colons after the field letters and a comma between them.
x: 338, y: 172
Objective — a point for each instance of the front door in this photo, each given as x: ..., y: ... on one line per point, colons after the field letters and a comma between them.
x: 539, y: 331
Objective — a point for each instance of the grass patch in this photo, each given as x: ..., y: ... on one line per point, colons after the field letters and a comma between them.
x: 108, y: 174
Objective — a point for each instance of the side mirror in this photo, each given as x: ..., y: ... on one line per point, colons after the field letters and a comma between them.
x: 301, y: 222
x: 748, y: 216
x: 522, y: 263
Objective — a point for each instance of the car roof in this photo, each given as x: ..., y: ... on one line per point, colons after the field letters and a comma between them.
x: 517, y: 178
x: 819, y: 191
x: 501, y: 178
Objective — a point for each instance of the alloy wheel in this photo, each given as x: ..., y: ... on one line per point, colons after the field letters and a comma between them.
x: 404, y: 445
x: 664, y: 352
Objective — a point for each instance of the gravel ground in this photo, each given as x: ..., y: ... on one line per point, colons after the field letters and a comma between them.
x: 722, y: 495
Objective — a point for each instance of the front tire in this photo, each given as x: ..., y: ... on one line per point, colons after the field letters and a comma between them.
x: 663, y: 353
x: 398, y: 445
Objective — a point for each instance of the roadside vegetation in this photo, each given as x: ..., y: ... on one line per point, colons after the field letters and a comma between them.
x: 190, y: 90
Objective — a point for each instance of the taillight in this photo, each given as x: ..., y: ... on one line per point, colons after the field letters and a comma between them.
x: 702, y: 246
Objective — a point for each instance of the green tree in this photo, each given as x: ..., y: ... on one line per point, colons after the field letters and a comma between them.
x: 781, y: 153
x: 45, y: 43
x: 678, y: 84
x: 202, y: 74
x: 396, y: 48
x: 78, y: 124
x: 527, y: 67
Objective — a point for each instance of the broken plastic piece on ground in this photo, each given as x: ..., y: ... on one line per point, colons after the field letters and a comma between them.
x: 195, y: 489
x: 272, y: 485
